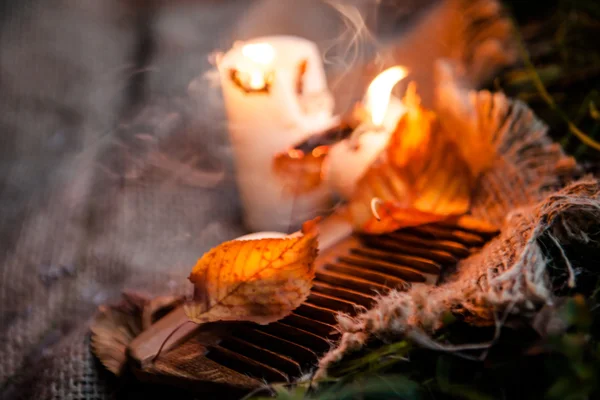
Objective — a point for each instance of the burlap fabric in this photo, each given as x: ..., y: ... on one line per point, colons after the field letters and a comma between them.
x: 136, y: 224
x: 94, y: 201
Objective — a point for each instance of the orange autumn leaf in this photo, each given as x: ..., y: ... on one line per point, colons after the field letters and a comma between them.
x: 254, y: 280
x: 420, y: 178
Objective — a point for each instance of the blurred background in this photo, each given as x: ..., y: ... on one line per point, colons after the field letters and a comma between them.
x: 115, y: 168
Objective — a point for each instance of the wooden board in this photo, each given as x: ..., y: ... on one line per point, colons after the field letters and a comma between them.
x: 351, y: 271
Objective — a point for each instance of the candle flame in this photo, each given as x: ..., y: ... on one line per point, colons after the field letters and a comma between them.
x: 256, y: 80
x: 260, y: 53
x: 380, y: 90
x: 258, y: 56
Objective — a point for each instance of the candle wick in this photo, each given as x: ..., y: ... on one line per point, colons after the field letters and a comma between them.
x: 354, y: 139
x: 376, y: 202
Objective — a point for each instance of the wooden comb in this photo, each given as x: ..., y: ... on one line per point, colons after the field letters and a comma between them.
x: 352, y: 270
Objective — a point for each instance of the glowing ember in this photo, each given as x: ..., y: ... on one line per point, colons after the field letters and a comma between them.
x: 320, y: 151
x: 297, y: 154
x: 378, y: 94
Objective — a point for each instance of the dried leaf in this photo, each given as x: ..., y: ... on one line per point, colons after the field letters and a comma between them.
x: 112, y: 331
x: 300, y: 172
x: 461, y: 119
x: 421, y: 178
x: 254, y: 280
x: 115, y: 326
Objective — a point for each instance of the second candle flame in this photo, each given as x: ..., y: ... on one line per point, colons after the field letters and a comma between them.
x: 378, y: 94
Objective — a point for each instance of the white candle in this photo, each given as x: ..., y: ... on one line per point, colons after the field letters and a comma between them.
x: 276, y: 95
x: 348, y: 160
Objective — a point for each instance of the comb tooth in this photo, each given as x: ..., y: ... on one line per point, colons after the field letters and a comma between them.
x: 300, y: 336
x: 454, y: 248
x: 385, y: 243
x: 318, y: 313
x: 245, y: 365
x: 334, y: 303
x: 388, y: 281
x: 302, y: 355
x: 406, y: 273
x: 351, y: 282
x: 344, y: 293
x: 421, y: 264
x: 471, y: 224
x: 316, y: 327
x: 469, y: 239
x: 267, y: 357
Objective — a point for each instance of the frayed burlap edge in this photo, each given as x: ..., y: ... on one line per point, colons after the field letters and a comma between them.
x: 510, y: 274
x: 528, y: 165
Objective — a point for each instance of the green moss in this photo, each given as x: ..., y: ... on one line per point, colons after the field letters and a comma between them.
x: 560, y: 70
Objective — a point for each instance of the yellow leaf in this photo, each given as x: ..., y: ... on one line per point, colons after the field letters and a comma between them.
x: 254, y: 280
x: 421, y: 178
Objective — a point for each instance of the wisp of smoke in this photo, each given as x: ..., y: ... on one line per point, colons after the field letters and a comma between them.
x: 354, y: 41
